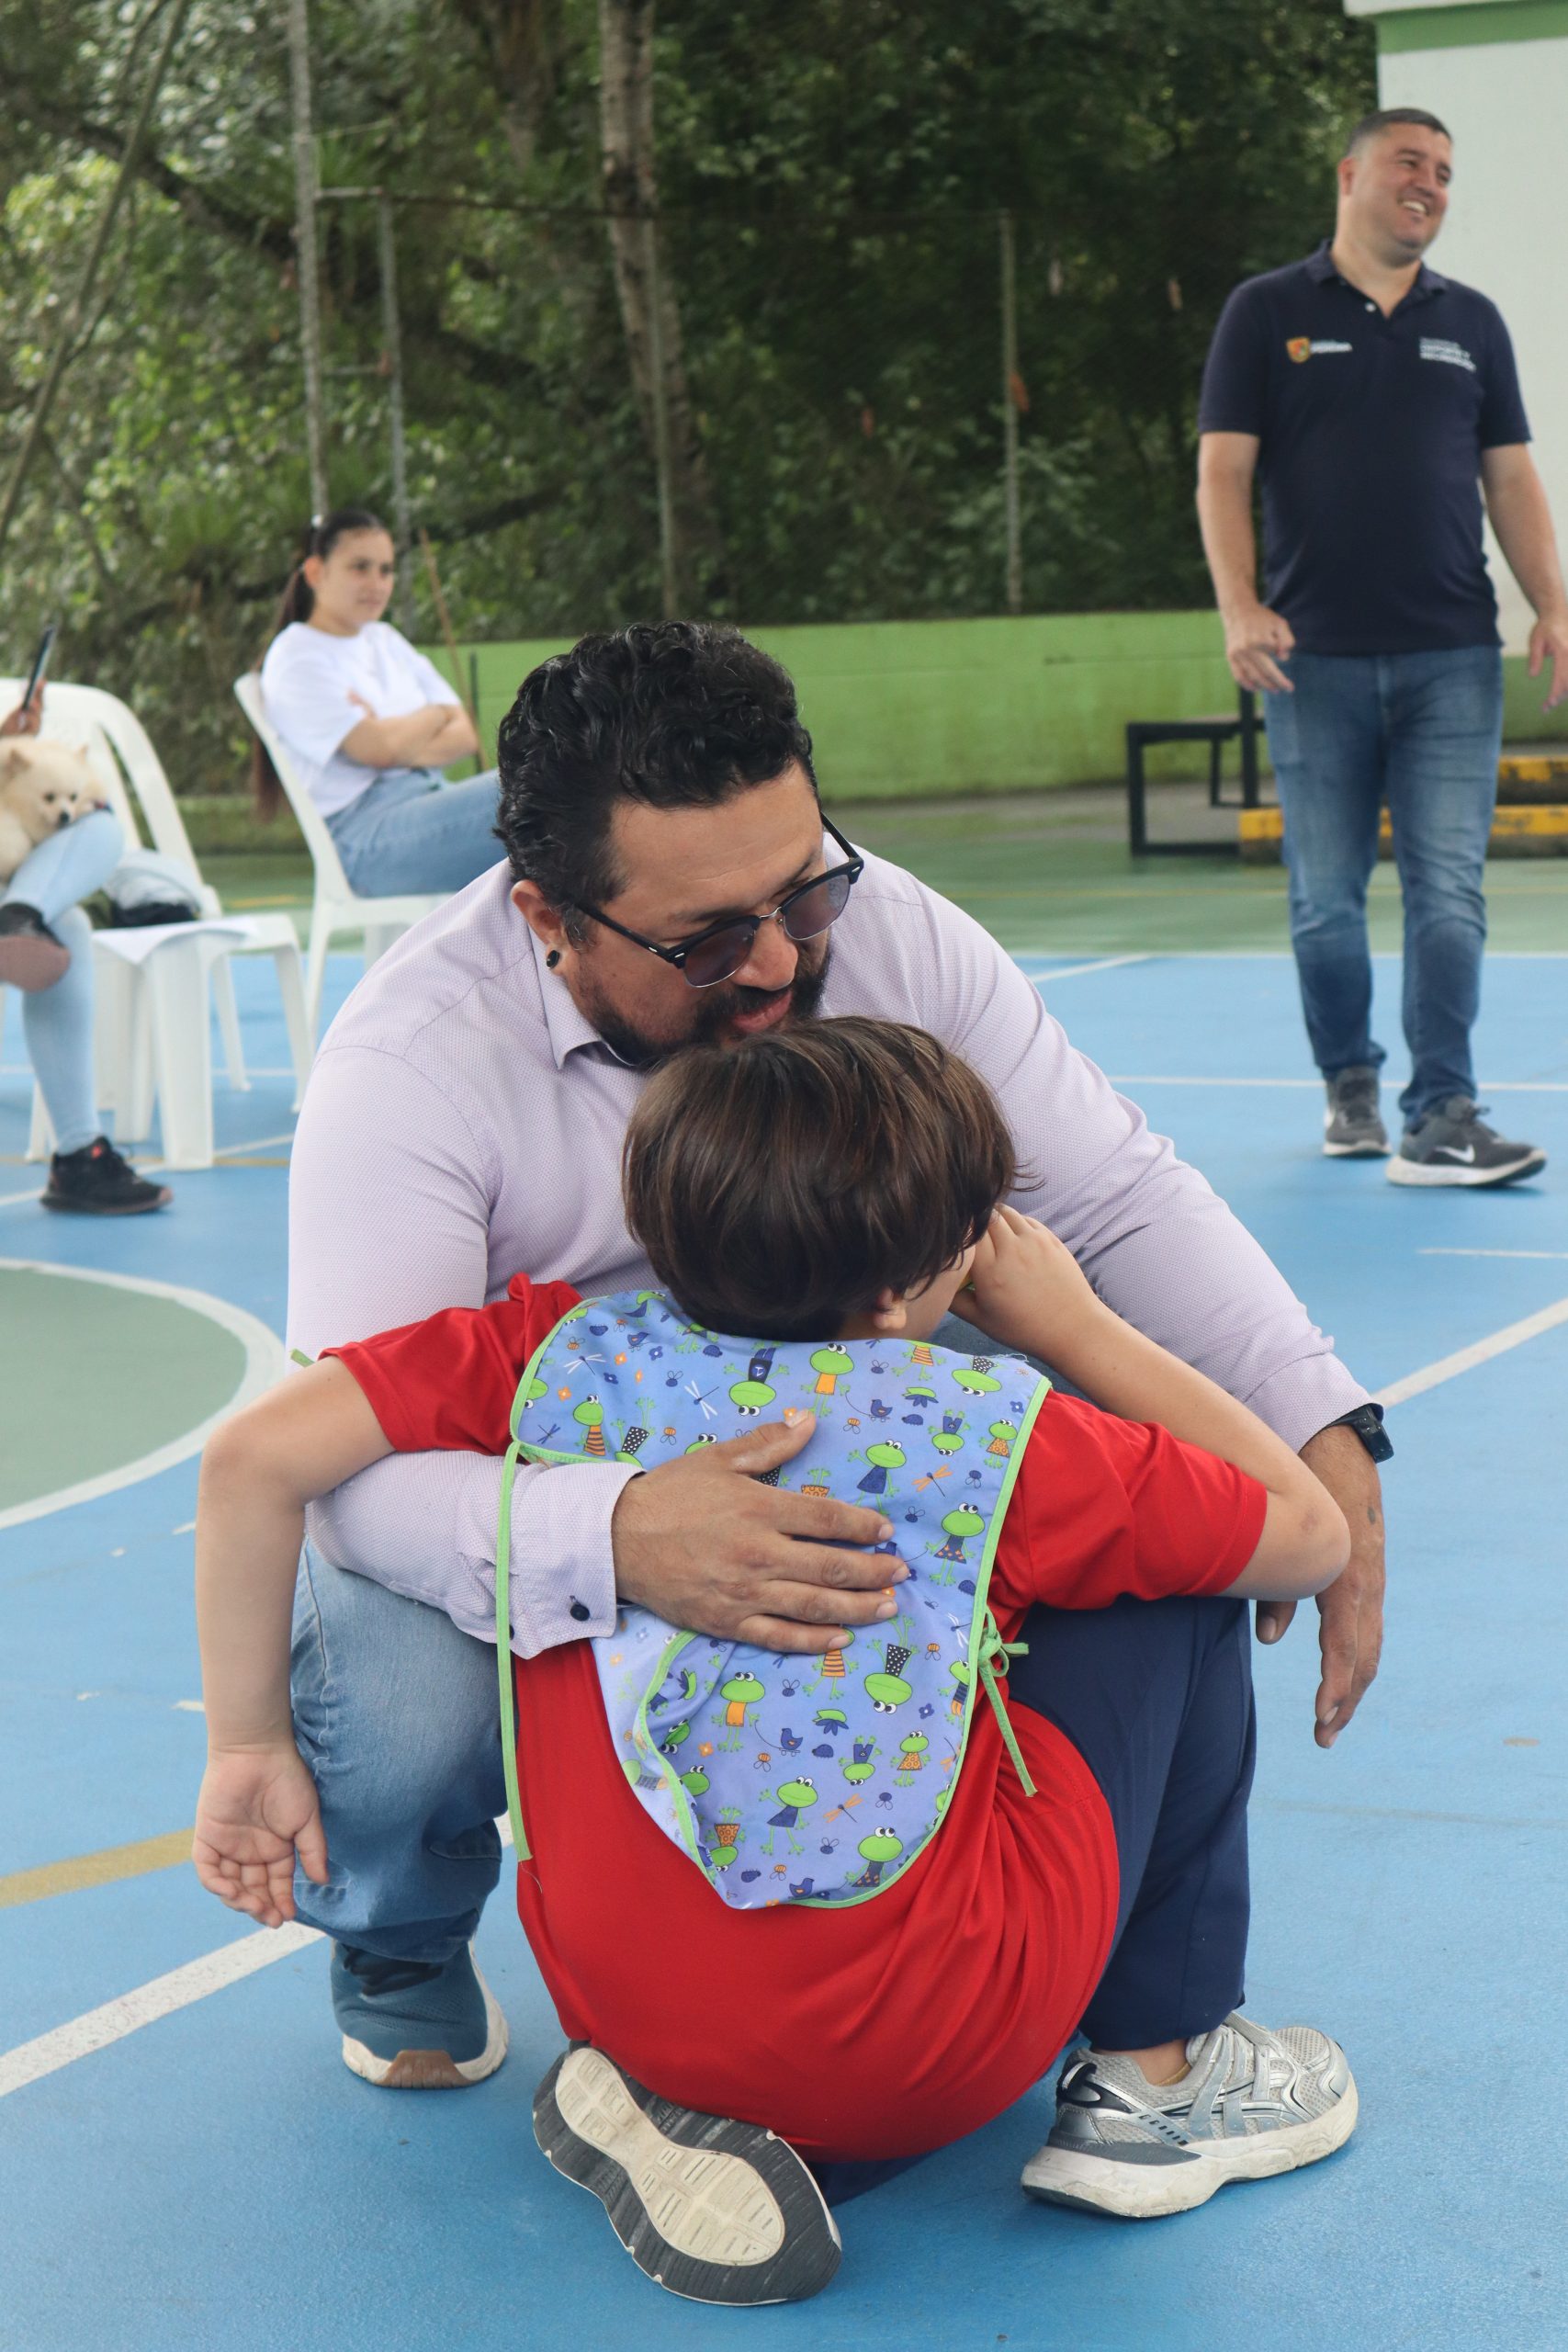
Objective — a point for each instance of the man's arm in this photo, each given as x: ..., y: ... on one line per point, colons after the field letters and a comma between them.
x: 389, y: 1222
x: 1516, y: 502
x: 1257, y: 638
x: 1160, y: 1247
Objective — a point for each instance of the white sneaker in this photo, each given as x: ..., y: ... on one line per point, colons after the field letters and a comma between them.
x: 1251, y: 2104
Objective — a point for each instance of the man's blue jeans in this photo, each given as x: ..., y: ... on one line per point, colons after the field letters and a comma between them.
x: 1421, y: 731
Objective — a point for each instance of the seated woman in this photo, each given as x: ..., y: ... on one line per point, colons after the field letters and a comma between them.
x: 46, y: 951
x: 370, y: 723
x: 850, y: 1903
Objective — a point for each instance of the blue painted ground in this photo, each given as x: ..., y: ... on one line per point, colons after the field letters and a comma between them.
x: 218, y: 2180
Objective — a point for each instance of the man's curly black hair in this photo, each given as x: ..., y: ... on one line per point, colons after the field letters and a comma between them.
x: 676, y: 714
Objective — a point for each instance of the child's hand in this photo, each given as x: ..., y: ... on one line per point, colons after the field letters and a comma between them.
x: 258, y: 1808
x: 1025, y: 1287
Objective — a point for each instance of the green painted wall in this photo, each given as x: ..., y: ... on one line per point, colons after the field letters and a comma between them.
x: 913, y: 708
x: 1468, y: 28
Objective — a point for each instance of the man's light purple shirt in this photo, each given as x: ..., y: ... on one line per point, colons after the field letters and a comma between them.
x: 463, y: 1124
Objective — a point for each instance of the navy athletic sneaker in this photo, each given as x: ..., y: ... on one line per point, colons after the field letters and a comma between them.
x: 413, y: 2025
x: 719, y: 2211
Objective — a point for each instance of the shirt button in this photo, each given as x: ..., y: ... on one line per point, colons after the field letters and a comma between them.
x: 1371, y: 306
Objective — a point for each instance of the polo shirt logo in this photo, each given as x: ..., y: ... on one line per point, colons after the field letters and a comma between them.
x: 1301, y: 346
x: 1437, y: 347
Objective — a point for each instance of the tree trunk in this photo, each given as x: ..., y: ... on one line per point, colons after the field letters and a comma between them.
x: 692, y: 543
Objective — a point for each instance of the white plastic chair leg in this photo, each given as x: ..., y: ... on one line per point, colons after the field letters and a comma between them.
x: 379, y: 937
x: 296, y: 1015
x: 316, y: 972
x: 229, y: 1025
x: 40, y: 1131
x: 175, y: 978
x: 122, y: 1069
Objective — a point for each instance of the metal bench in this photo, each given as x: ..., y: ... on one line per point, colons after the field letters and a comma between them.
x: 1241, y: 727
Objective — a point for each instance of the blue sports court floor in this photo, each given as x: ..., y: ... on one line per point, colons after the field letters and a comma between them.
x: 184, y: 2160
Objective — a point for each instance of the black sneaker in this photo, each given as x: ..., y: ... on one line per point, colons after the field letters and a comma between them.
x: 96, y: 1181
x: 1453, y: 1145
x: 717, y: 2211
x: 1351, y: 1128
x: 31, y: 958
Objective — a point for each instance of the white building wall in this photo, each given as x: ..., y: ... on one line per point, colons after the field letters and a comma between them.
x: 1506, y: 105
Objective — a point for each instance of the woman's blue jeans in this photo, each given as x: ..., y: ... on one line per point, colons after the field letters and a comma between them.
x: 1421, y: 731
x: 412, y: 830
x: 58, y: 1021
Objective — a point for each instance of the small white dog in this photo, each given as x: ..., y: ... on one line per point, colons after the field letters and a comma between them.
x: 43, y: 786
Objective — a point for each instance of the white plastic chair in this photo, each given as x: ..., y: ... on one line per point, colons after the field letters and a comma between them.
x: 337, y: 907
x: 151, y: 1040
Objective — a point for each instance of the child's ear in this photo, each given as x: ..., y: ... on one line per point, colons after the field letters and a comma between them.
x: 889, y: 1313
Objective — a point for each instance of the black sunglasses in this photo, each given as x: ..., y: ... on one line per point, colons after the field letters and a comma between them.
x: 719, y: 951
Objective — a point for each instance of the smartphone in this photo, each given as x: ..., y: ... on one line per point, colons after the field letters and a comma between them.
x: 40, y: 662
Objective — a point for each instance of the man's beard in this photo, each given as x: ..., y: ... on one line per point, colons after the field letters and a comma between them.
x: 715, y: 1008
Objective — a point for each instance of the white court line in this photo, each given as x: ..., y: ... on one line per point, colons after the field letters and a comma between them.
x: 264, y: 1365
x: 1513, y: 1335
x: 160, y: 1998
x: 213, y: 1973
x: 1437, y: 1252
x: 110, y: 2023
x: 1071, y: 971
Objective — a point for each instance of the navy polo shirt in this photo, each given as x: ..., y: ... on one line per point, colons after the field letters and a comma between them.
x: 1371, y: 431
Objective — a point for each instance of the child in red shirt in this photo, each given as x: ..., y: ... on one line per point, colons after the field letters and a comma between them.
x: 865, y: 1201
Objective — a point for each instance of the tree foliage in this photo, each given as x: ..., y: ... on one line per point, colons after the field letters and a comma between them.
x: 829, y: 180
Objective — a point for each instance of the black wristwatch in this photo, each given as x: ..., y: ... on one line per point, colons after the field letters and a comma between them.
x: 1367, y: 1422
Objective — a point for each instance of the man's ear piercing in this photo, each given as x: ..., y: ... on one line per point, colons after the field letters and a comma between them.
x: 552, y: 959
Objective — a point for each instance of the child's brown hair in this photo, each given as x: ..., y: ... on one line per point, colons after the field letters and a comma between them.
x: 778, y: 1185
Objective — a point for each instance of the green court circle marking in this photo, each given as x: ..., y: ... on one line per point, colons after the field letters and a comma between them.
x: 147, y: 1369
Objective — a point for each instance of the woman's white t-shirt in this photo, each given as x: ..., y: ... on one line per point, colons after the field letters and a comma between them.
x: 307, y: 679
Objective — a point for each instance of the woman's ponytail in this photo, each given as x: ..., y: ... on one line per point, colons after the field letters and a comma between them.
x: 297, y: 603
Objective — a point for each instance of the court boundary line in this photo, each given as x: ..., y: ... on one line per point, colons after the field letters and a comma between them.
x: 98, y: 2028
x: 177, y: 1988
x: 264, y: 1368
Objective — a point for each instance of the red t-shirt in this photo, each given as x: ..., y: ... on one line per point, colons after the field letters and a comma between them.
x: 885, y: 2028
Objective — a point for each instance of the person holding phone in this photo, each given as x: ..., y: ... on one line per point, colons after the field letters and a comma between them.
x: 46, y: 951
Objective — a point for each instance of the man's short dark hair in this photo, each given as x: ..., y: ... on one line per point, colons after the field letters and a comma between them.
x: 1385, y: 118
x: 780, y: 1184
x: 675, y: 714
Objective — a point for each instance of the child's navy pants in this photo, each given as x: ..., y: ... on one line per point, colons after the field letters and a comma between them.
x: 1157, y: 1697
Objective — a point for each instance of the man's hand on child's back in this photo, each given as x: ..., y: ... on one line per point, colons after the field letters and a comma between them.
x: 258, y: 1810
x: 1025, y: 1288
x: 703, y: 1544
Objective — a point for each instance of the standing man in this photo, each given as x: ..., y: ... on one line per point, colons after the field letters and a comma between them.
x: 1378, y: 402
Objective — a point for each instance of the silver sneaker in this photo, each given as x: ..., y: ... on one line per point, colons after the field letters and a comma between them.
x: 1251, y: 2104
x: 1351, y: 1126
x: 1453, y: 1145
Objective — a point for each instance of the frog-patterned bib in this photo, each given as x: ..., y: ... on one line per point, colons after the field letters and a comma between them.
x: 793, y: 1779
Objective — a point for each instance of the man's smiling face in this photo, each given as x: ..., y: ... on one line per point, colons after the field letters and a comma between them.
x: 1394, y: 191
x: 682, y: 869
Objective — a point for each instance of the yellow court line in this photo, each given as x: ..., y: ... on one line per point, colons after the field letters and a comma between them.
x: 101, y: 1869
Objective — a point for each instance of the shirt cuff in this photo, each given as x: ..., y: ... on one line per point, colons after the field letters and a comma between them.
x: 562, y: 1569
x: 1305, y: 1397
